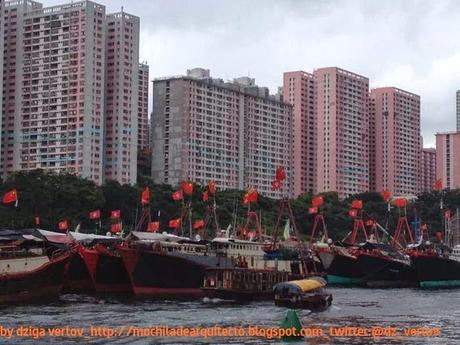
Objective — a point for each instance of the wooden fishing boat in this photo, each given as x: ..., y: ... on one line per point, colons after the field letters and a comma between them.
x: 29, y: 270
x: 242, y: 284
x: 303, y: 294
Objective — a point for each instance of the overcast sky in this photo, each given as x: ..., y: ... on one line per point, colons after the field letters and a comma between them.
x: 413, y: 45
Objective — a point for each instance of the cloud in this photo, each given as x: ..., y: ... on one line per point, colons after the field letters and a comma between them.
x: 409, y: 44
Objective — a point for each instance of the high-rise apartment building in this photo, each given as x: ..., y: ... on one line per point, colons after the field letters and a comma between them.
x: 122, y: 97
x: 342, y: 151
x: 205, y: 129
x: 143, y: 140
x: 458, y: 110
x: 299, y: 90
x: 448, y: 159
x: 428, y: 169
x: 395, y: 143
x: 54, y: 88
x: 13, y: 56
x: 1, y: 67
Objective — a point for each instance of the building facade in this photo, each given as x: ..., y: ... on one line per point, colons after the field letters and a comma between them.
x: 458, y: 110
x: 342, y: 151
x: 143, y: 141
x: 54, y: 110
x: 67, y: 106
x: 13, y: 52
x: 428, y: 169
x: 299, y: 90
x: 395, y: 143
x: 205, y: 129
x: 448, y: 159
x: 122, y: 97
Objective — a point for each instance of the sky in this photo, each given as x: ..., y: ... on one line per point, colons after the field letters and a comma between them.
x: 412, y: 45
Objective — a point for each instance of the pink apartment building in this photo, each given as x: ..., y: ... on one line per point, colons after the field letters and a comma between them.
x: 428, y: 169
x: 122, y: 97
x: 54, y: 89
x: 395, y: 144
x: 448, y: 159
x: 143, y: 133
x: 342, y: 151
x: 205, y: 129
x: 299, y: 90
x: 1, y: 64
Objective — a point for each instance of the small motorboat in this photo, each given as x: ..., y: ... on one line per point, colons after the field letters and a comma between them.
x: 303, y: 294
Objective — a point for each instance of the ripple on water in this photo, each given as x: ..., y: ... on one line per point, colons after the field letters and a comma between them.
x: 351, y: 307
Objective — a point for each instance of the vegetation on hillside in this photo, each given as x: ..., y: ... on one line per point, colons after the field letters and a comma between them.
x: 55, y: 197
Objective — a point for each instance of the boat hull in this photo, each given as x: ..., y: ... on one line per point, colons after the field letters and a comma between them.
x: 382, y: 271
x: 313, y: 303
x: 77, y: 278
x: 38, y: 285
x: 106, y: 270
x: 165, y: 275
x: 342, y: 269
x: 436, y: 272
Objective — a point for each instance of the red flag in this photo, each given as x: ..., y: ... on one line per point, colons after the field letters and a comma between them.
x: 358, y: 204
x: 313, y: 210
x: 353, y: 213
x: 177, y: 195
x: 317, y: 201
x: 96, y: 214
x: 63, y: 225
x: 400, y: 202
x: 145, y: 198
x: 212, y: 187
x: 198, y: 224
x: 37, y: 220
x: 246, y: 199
x: 205, y: 196
x: 10, y: 196
x: 187, y: 187
x: 115, y: 228
x: 174, y: 223
x: 386, y: 195
x: 115, y: 214
x: 438, y: 185
x: 280, y: 174
x: 252, y: 195
x: 276, y: 185
x: 447, y: 215
x: 153, y: 226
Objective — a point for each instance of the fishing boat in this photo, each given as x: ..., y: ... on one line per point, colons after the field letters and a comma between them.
x: 384, y: 267
x: 168, y: 266
x: 103, y: 262
x: 242, y: 284
x: 30, y: 269
x: 77, y: 278
x: 437, y: 267
x: 303, y: 294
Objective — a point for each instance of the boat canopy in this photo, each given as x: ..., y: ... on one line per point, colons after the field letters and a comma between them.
x: 301, y: 286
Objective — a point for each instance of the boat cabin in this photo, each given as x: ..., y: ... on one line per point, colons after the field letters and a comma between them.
x: 303, y: 294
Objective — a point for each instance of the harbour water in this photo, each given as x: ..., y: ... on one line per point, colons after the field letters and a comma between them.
x: 353, y: 307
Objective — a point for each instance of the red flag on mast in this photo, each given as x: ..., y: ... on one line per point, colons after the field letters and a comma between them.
x: 96, y: 214
x: 205, y: 196
x: 187, y: 187
x: 212, y: 187
x: 177, y: 195
x: 145, y: 197
x: 10, y: 196
x: 115, y: 214
x: 63, y: 225
x: 438, y: 185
